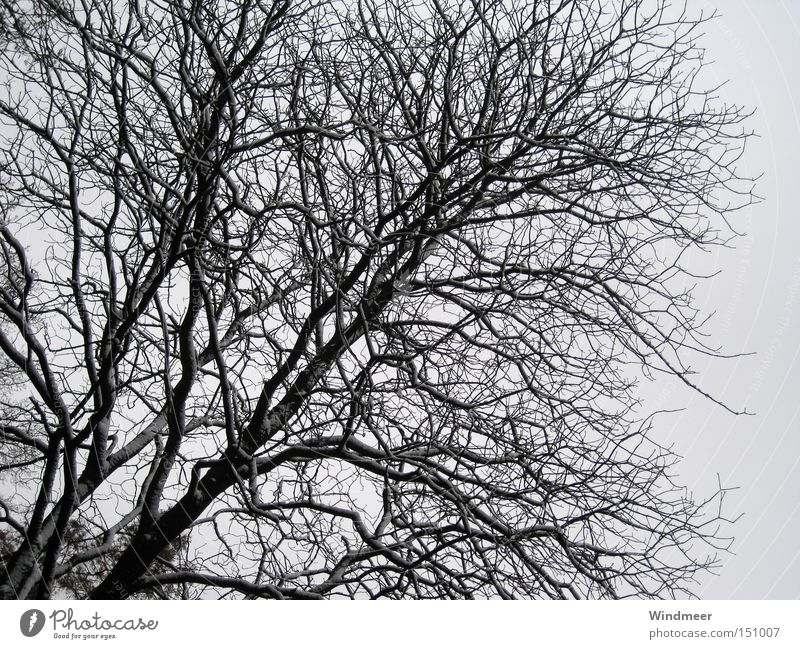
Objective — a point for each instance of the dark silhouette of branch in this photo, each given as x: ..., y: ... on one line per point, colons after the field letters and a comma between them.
x: 311, y: 300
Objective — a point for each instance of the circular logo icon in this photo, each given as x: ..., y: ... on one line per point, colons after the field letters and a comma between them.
x: 31, y: 622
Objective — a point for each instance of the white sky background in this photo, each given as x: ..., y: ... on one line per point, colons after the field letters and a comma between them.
x: 755, y: 45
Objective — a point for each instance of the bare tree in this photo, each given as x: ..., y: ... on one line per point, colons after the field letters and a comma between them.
x: 351, y: 299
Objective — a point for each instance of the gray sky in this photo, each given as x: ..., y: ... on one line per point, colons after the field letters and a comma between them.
x: 756, y: 46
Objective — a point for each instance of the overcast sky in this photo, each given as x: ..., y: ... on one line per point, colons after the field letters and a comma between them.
x: 755, y: 45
